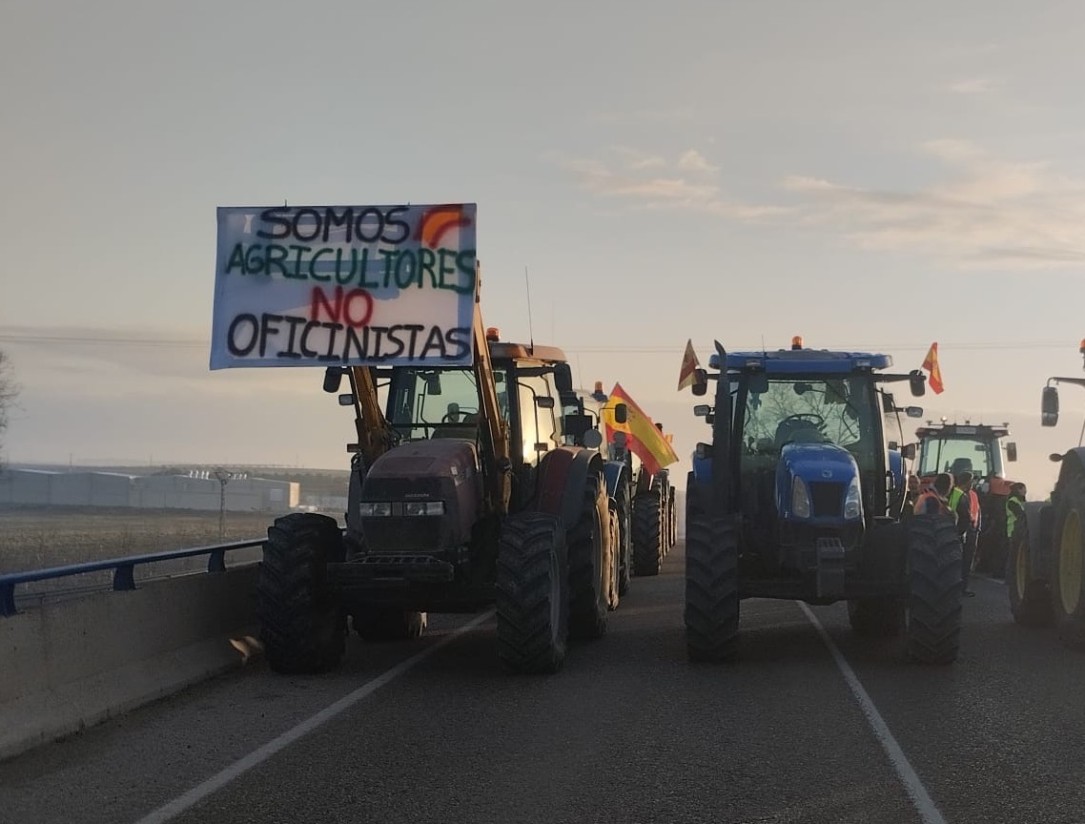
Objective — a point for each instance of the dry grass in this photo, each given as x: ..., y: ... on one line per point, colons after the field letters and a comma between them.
x: 38, y: 537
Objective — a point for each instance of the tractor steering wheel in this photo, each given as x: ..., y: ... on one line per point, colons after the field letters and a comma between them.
x: 790, y: 426
x: 461, y: 416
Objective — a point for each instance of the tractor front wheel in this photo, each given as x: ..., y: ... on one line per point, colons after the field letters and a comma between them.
x: 302, y: 626
x: 935, y: 590
x: 532, y: 593
x: 648, y: 536
x: 589, y: 565
x: 712, y: 596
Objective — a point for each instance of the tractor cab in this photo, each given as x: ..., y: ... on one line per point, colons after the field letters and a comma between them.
x: 976, y: 448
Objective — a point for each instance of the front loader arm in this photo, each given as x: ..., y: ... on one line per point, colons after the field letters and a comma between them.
x: 494, y: 428
x: 375, y: 436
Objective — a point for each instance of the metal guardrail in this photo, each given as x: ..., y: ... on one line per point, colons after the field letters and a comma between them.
x: 123, y: 569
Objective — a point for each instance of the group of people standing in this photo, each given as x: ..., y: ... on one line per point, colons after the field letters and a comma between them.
x: 953, y: 494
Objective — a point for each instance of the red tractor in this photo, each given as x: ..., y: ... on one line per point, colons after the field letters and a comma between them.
x: 980, y: 449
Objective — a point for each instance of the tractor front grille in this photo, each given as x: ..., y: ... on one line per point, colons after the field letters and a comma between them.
x: 826, y: 499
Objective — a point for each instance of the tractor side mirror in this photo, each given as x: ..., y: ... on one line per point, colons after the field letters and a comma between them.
x: 544, y: 402
x: 347, y: 399
x: 917, y: 382
x: 1011, y: 451
x: 333, y: 377
x: 894, y: 446
x: 592, y: 439
x: 700, y: 382
x: 914, y: 411
x: 621, y: 413
x: 908, y: 451
x: 563, y: 378
x: 433, y: 384
x: 702, y: 410
x: 1049, y: 406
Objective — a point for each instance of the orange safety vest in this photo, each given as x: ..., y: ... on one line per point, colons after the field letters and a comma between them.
x: 926, y: 495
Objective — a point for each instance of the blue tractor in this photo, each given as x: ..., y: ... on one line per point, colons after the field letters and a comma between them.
x: 799, y: 495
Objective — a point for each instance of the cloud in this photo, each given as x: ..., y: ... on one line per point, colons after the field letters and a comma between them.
x: 971, y: 86
x: 693, y: 161
x: 646, y: 181
x: 984, y: 211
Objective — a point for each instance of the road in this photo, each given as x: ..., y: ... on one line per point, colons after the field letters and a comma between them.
x: 627, y: 732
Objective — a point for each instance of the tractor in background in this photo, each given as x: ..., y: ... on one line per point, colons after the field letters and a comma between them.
x: 1045, y: 575
x: 654, y: 514
x: 462, y: 496
x: 793, y: 498
x: 980, y: 449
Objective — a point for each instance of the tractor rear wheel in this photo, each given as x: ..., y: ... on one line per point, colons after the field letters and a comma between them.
x: 712, y: 599
x: 389, y: 624
x: 589, y: 564
x: 672, y: 508
x: 935, y: 589
x: 1030, y: 598
x: 648, y: 537
x: 1068, y: 575
x: 532, y: 593
x: 302, y: 625
x: 625, y: 539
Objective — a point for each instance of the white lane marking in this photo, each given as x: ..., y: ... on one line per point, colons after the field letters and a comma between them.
x: 924, y: 804
x: 185, y: 802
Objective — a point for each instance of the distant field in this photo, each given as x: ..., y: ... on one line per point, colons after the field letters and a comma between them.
x: 36, y: 537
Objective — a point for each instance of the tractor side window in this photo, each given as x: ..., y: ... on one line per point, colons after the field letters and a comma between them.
x: 539, y: 427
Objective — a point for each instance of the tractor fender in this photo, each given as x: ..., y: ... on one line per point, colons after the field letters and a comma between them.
x: 615, y: 473
x: 563, y: 473
x: 1073, y: 461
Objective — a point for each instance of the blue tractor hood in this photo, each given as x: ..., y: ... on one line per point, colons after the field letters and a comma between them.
x: 827, y: 469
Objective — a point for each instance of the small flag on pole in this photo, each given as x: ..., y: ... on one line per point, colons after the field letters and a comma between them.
x: 930, y: 363
x: 687, y: 376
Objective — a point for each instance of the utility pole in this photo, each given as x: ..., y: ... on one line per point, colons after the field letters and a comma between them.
x: 223, y: 478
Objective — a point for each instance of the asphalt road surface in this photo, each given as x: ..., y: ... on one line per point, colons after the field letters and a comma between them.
x: 812, y: 725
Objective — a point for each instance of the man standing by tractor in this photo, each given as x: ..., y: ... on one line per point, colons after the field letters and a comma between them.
x: 965, y: 503
x: 934, y: 499
x: 1015, y: 509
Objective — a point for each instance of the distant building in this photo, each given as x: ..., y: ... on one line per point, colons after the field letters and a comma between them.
x: 197, y: 491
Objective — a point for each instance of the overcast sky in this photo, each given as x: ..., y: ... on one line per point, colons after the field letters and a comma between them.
x: 867, y: 174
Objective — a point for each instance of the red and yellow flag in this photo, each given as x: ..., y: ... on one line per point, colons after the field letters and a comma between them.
x: 643, y: 438
x: 930, y: 363
x: 686, y: 375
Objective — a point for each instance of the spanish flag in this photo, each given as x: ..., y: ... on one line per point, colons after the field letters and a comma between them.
x: 686, y: 376
x: 643, y: 438
x: 930, y: 363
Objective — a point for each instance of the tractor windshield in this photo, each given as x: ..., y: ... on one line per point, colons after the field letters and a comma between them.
x: 958, y: 454
x: 428, y: 403
x: 779, y: 411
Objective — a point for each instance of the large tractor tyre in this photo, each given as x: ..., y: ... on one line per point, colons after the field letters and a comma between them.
x: 672, y: 508
x: 303, y: 628
x: 648, y: 535
x: 377, y: 625
x: 876, y: 617
x: 1030, y: 599
x: 932, y: 630
x: 625, y: 538
x: 1068, y: 575
x: 590, y: 564
x: 532, y: 593
x: 712, y: 599
x: 614, y: 557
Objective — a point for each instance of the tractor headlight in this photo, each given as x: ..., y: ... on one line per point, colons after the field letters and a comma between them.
x: 424, y: 508
x: 853, y: 501
x: 800, y: 498
x: 375, y: 509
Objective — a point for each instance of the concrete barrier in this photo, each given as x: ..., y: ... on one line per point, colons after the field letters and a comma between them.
x: 68, y: 665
